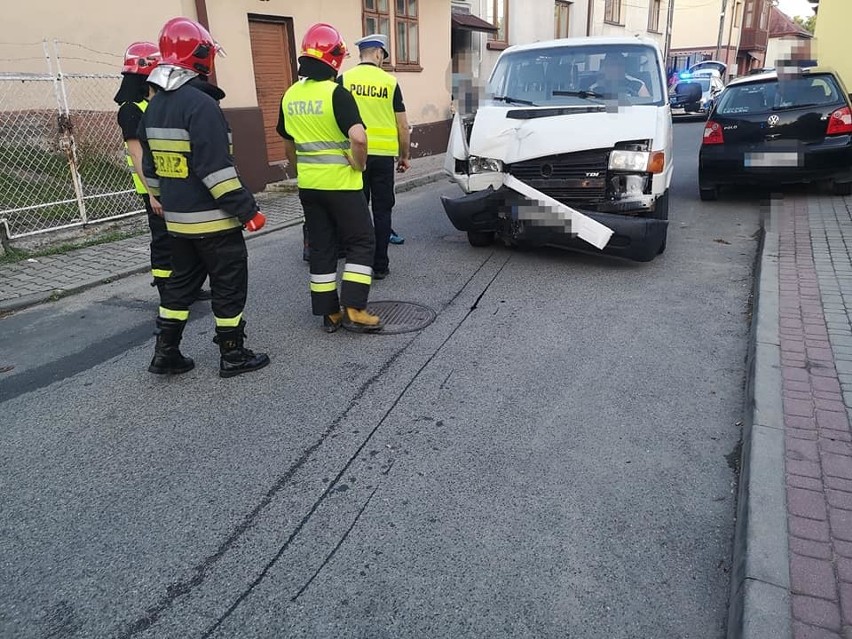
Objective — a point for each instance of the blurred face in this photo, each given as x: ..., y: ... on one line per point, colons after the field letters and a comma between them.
x: 613, y: 69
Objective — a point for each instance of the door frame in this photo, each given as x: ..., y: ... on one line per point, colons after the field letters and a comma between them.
x: 289, y: 22
x: 291, y: 43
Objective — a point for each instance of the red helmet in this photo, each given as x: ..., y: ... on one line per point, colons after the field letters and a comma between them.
x: 185, y: 43
x: 324, y: 43
x: 140, y: 58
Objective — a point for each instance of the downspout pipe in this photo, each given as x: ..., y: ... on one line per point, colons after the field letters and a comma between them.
x: 201, y: 12
x: 589, y: 17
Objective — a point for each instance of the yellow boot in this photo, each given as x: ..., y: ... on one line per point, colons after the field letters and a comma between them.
x: 360, y: 321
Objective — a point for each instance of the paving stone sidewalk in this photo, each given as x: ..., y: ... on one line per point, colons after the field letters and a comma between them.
x: 39, y: 279
x: 808, y: 287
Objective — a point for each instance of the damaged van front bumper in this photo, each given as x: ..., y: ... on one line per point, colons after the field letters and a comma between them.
x: 525, y: 221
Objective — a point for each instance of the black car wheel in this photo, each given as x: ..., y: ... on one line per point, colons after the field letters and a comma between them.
x: 480, y: 238
x: 841, y: 188
x: 708, y: 194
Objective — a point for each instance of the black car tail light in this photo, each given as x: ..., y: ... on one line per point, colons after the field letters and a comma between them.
x: 713, y: 133
x: 840, y: 122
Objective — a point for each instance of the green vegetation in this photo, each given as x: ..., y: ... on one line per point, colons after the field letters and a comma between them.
x: 809, y: 23
x: 30, y: 176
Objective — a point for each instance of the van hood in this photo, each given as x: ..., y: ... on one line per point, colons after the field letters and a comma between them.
x: 517, y: 133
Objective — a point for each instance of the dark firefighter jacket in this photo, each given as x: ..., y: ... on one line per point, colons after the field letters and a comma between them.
x: 188, y: 163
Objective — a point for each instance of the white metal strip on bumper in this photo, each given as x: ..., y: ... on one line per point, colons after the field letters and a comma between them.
x: 582, y: 226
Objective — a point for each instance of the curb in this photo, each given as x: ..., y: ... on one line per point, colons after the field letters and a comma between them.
x: 423, y: 180
x: 760, y: 576
x: 26, y: 301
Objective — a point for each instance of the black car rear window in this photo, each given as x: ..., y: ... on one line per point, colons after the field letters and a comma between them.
x: 779, y: 95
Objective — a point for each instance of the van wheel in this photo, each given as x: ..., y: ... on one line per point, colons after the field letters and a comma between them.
x: 841, y: 188
x: 709, y: 194
x: 480, y: 238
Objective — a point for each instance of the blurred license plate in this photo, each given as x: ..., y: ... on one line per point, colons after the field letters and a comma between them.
x: 769, y: 159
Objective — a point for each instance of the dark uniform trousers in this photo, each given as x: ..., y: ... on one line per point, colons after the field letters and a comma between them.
x: 343, y: 216
x: 221, y: 257
x: 161, y: 243
x: 378, y: 189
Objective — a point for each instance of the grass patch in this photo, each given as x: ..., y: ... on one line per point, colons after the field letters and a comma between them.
x: 32, y: 176
x: 17, y: 255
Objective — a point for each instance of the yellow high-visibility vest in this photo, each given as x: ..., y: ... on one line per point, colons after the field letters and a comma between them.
x: 140, y: 188
x: 373, y: 89
x: 320, y: 144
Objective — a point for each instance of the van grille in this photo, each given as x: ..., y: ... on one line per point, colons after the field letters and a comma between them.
x: 570, y: 178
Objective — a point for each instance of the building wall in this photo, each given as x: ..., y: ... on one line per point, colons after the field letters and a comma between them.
x: 695, y: 29
x: 95, y: 34
x: 529, y: 21
x: 832, y: 37
x: 634, y: 20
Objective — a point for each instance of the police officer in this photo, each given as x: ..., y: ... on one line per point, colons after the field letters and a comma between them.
x: 325, y: 141
x: 379, y: 100
x: 187, y: 160
x: 133, y: 94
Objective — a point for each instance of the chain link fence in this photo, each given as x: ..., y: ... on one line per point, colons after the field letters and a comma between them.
x: 61, y: 152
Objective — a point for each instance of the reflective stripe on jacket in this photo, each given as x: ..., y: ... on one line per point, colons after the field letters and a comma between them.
x: 373, y: 89
x: 140, y: 187
x: 187, y: 156
x: 320, y: 144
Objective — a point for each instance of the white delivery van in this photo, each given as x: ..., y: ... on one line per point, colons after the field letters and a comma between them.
x: 570, y: 146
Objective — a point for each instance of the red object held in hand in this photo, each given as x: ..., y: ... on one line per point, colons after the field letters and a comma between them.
x: 256, y: 223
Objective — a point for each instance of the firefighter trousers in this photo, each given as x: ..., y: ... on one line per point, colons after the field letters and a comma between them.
x: 221, y: 257
x: 161, y: 244
x: 332, y: 217
x: 378, y: 189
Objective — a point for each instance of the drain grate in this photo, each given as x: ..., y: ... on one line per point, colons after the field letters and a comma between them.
x: 402, y: 317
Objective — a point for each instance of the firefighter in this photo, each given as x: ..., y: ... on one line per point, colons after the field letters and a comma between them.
x: 324, y: 139
x: 187, y: 161
x: 380, y: 103
x: 133, y: 96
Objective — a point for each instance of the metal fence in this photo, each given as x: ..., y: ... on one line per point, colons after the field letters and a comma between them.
x: 62, y: 159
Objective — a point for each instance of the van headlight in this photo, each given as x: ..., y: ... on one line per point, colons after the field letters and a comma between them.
x: 631, y: 161
x: 637, y: 161
x: 484, y: 165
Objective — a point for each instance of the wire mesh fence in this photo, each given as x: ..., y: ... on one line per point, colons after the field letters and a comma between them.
x: 61, y: 151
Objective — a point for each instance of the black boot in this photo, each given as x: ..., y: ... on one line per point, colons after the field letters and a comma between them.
x: 168, y: 359
x: 237, y: 359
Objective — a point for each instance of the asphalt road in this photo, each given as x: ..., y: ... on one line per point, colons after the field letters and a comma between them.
x: 550, y: 458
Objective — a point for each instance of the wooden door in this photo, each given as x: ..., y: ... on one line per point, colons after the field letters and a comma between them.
x: 273, y: 61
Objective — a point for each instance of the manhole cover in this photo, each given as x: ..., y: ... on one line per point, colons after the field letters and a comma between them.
x: 402, y: 317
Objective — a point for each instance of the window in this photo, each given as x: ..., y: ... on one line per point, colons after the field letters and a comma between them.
x: 612, y: 11
x: 560, y: 75
x: 376, y: 17
x: 407, y: 37
x: 654, y: 16
x: 749, y: 14
x: 765, y: 97
x: 738, y: 14
x: 764, y: 16
x: 562, y: 19
x: 497, y: 13
x: 404, y: 37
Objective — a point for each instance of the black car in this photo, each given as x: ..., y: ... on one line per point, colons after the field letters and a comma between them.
x: 767, y: 131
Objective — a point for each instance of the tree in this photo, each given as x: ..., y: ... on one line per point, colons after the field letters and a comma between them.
x: 809, y: 23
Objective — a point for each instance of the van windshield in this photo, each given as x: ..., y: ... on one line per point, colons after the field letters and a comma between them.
x: 579, y: 75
